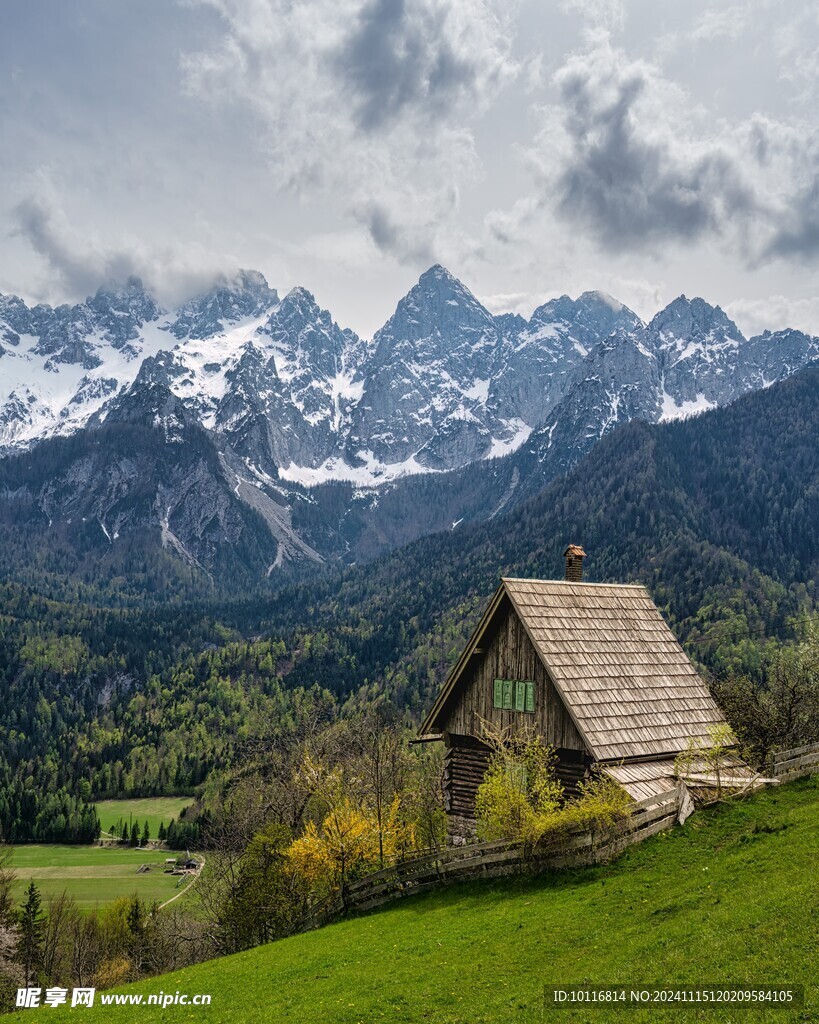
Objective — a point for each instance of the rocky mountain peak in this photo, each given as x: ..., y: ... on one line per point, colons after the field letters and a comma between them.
x: 122, y: 309
x: 438, y: 305
x: 688, y: 318
x: 585, y: 320
x: 229, y: 301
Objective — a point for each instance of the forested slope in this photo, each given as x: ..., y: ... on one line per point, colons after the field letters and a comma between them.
x: 718, y: 515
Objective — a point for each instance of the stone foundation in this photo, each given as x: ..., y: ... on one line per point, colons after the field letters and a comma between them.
x: 460, y: 830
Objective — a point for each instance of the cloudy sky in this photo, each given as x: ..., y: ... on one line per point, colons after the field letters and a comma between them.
x: 644, y: 147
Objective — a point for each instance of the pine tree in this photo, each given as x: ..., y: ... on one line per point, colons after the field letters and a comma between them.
x: 162, y: 835
x: 135, y: 916
x: 146, y: 834
x: 30, y: 940
x: 134, y: 834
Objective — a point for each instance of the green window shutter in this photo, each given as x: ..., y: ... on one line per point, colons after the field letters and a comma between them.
x: 520, y: 695
x: 530, y: 696
x: 507, y: 694
x: 498, y: 695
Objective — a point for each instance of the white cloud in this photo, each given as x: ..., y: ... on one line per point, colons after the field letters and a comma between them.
x: 774, y: 313
x: 721, y: 23
x: 794, y: 44
x: 512, y: 302
x: 368, y: 99
x: 598, y: 15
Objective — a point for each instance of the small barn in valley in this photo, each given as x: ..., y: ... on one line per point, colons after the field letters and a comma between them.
x: 592, y: 668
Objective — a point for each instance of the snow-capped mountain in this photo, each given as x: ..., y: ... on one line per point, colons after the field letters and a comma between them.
x: 442, y: 384
x: 277, y: 383
x: 288, y: 400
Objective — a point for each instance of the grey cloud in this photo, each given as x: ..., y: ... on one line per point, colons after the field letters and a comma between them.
x: 798, y: 237
x: 80, y: 265
x: 399, y: 56
x: 80, y: 269
x: 407, y: 245
x: 625, y: 175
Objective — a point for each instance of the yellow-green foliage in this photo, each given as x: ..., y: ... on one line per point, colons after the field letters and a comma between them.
x: 602, y: 805
x: 346, y: 845
x: 706, y: 757
x: 519, y: 793
x: 351, y: 838
x: 521, y: 799
x: 343, y: 845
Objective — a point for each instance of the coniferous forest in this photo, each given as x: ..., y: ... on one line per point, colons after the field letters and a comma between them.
x: 718, y: 515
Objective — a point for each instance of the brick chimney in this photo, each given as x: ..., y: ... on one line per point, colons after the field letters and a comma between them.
x: 574, y: 556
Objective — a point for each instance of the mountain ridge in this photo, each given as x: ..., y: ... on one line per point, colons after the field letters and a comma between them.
x: 336, y: 447
x: 442, y: 384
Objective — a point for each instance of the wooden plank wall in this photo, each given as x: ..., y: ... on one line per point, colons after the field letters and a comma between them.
x: 509, y: 654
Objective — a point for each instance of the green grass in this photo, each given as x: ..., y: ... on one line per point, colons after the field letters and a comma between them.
x: 93, y: 875
x: 154, y: 810
x: 731, y: 897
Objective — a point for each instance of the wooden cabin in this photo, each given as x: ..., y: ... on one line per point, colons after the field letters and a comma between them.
x: 591, y: 667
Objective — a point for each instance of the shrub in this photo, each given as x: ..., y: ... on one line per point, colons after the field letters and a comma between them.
x: 521, y: 799
x: 520, y: 793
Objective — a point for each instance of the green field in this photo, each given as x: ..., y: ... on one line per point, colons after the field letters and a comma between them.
x: 154, y: 810
x: 93, y: 875
x: 731, y: 897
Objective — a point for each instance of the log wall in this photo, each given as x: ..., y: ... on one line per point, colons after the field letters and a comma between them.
x: 465, y: 764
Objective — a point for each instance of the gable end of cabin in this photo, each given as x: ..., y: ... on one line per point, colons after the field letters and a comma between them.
x: 505, y: 684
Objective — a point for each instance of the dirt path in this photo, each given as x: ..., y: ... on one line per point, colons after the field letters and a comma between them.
x: 183, y: 891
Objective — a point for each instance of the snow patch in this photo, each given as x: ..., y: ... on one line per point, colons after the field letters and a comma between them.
x: 672, y: 411
x: 372, y: 474
x: 479, y: 392
x: 505, y: 446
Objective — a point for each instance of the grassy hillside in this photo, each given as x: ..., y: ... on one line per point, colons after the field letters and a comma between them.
x: 731, y: 897
x: 92, y: 875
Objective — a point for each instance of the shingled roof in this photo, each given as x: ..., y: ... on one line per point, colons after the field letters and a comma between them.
x: 624, y: 678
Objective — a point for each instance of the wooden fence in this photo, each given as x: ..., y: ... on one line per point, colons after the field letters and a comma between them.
x: 792, y: 764
x: 577, y: 848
